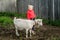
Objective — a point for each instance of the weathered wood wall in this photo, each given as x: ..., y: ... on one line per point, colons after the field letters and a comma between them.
x: 43, y: 8
x: 7, y: 5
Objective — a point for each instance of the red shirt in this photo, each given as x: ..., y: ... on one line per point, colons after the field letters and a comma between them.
x: 30, y: 14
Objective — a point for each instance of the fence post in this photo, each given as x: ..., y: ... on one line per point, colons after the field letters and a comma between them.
x: 53, y: 12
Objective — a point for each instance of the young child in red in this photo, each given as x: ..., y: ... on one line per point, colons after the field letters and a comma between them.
x: 31, y: 15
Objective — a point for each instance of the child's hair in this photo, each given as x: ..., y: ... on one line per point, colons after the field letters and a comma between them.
x: 30, y: 7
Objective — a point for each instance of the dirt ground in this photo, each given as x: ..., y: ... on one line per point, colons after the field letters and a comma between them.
x: 45, y: 32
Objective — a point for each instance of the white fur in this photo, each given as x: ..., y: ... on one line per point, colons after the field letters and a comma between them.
x: 21, y: 24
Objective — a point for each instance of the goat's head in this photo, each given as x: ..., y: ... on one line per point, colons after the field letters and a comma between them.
x: 39, y: 22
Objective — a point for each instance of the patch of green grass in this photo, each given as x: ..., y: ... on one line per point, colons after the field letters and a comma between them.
x: 6, y: 22
x: 6, y: 19
x: 11, y: 14
x: 51, y: 22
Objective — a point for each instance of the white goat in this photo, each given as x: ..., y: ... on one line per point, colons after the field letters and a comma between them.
x: 21, y: 24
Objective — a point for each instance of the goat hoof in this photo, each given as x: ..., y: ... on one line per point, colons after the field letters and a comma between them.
x: 17, y: 34
x: 33, y: 32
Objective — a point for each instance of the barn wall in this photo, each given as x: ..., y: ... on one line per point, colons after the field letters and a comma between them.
x: 7, y: 5
x: 43, y: 8
x: 40, y: 7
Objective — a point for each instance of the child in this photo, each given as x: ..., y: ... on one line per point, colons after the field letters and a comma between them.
x: 30, y: 14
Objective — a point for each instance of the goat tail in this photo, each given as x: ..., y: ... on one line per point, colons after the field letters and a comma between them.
x: 14, y: 19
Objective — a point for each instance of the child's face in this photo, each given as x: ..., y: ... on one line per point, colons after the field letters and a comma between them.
x: 30, y: 7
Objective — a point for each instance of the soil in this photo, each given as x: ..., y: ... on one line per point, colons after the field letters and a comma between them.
x: 45, y: 32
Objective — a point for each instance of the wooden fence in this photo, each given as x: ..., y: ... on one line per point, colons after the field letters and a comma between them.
x: 48, y: 9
